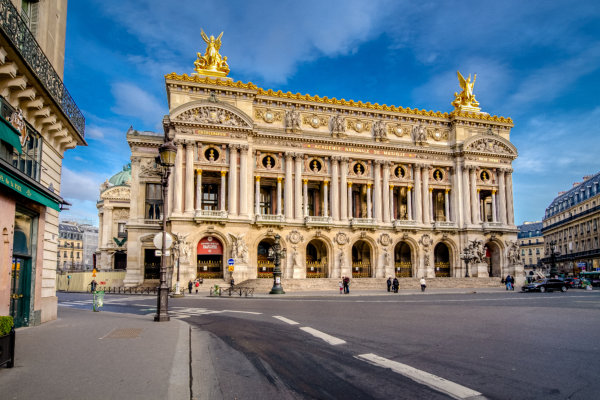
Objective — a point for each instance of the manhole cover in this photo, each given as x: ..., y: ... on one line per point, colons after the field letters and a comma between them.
x: 126, y: 333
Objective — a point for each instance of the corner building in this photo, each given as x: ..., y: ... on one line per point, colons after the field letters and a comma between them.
x: 354, y: 189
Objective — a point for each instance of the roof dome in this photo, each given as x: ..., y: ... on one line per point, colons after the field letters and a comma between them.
x: 123, y: 177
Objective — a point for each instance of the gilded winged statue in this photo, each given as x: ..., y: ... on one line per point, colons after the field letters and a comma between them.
x: 211, y: 63
x: 465, y: 99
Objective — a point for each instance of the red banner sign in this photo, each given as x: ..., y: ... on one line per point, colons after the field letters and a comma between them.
x: 210, y: 245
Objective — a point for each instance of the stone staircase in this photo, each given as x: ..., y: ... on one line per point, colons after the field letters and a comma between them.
x: 330, y: 284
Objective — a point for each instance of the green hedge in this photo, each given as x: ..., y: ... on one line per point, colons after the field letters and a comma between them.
x: 6, y: 323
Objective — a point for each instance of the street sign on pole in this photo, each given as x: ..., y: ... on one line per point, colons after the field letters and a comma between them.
x: 231, y: 268
x: 231, y: 261
x: 158, y: 240
x: 158, y: 253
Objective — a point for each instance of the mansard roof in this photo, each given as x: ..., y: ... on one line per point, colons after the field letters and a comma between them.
x: 578, y: 193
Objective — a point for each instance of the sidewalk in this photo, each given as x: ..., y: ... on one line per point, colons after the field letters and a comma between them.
x: 92, y: 355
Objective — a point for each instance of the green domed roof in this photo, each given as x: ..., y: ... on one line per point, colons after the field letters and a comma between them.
x: 123, y: 177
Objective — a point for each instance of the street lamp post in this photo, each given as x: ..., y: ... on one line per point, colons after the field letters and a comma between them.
x: 275, y: 253
x: 553, y: 254
x: 467, y: 256
x: 166, y: 158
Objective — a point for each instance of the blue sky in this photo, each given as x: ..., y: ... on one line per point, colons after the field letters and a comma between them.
x: 537, y: 62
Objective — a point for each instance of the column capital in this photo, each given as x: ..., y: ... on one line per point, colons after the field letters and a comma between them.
x: 299, y: 156
x: 447, y: 190
x: 179, y: 143
x: 199, y: 171
x: 257, y: 178
x: 244, y: 148
x: 344, y: 159
x: 430, y: 189
x: 325, y: 182
x: 279, y: 179
x: 391, y: 186
x: 336, y: 158
x: 409, y: 187
x: 223, y: 173
x: 387, y: 163
x: 289, y: 155
x: 378, y: 162
x: 493, y: 191
x: 305, y: 181
x: 189, y: 143
x: 349, y: 183
x: 233, y: 146
x: 369, y: 185
x: 478, y: 190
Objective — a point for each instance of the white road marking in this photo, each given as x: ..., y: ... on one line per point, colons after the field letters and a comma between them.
x: 242, y: 312
x: 321, y: 335
x: 452, y: 389
x: 287, y: 321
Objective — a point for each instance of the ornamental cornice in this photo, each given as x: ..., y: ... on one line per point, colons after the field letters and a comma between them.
x: 270, y: 93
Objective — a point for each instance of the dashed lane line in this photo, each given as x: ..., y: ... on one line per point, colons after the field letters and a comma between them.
x: 321, y: 335
x: 435, y: 382
x: 286, y: 320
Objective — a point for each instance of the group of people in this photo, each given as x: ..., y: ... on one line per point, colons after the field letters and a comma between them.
x: 394, y: 285
x: 345, y: 285
x: 195, y: 284
x: 509, y: 281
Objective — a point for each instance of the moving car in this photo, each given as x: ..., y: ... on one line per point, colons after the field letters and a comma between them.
x: 547, y: 284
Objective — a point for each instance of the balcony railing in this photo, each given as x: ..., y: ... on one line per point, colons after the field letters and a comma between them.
x: 491, y: 225
x: 362, y: 222
x: 211, y: 214
x: 270, y: 218
x: 16, y: 31
x: 444, y: 225
x: 317, y: 220
x: 403, y: 223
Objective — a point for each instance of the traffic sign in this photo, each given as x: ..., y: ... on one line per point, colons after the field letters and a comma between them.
x: 231, y: 261
x: 231, y: 268
x: 94, y: 273
x: 158, y: 253
x: 158, y: 240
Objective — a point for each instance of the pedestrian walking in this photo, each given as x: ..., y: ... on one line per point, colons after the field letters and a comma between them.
x: 396, y: 285
x: 232, y: 282
x: 347, y: 285
x: 389, y: 283
x: 93, y: 285
x: 341, y: 286
x: 423, y: 284
x: 508, y: 282
x: 190, y: 286
x: 197, y: 284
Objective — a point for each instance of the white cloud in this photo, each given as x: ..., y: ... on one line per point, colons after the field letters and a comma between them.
x: 132, y: 101
x: 81, y: 185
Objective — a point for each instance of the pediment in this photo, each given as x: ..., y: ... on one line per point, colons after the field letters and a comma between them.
x: 213, y: 114
x: 490, y: 144
x: 116, y: 193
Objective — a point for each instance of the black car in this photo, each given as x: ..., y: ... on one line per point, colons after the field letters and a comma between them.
x: 573, y: 282
x: 546, y: 284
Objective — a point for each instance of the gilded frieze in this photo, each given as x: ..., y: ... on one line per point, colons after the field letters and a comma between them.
x: 315, y: 120
x: 268, y: 115
x: 359, y: 126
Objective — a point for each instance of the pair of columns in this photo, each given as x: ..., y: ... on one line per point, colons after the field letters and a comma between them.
x: 502, y: 200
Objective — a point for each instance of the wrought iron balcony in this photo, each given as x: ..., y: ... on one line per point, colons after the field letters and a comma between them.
x: 18, y: 34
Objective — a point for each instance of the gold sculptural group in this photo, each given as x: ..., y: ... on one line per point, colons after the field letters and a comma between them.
x: 465, y: 100
x: 211, y: 63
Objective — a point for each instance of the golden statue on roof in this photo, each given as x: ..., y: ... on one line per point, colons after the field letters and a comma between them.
x: 211, y: 63
x: 465, y: 100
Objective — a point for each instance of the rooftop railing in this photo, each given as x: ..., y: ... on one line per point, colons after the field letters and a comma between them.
x: 16, y: 31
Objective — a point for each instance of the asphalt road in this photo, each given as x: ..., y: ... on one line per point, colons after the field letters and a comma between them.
x: 500, y: 345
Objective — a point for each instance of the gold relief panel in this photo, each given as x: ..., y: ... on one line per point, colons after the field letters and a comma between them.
x: 359, y: 126
x: 437, y: 134
x: 268, y: 115
x: 485, y: 176
x: 269, y: 161
x: 400, y: 172
x: 314, y: 120
x: 316, y: 165
x: 399, y: 129
x: 438, y: 175
x: 359, y: 168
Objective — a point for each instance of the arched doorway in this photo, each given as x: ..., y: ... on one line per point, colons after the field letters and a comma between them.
x: 493, y: 257
x: 120, y: 260
x: 209, y: 258
x: 402, y: 260
x: 441, y: 260
x: 361, y: 259
x: 316, y: 259
x: 264, y: 265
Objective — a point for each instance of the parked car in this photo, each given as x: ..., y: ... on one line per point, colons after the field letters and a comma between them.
x: 547, y: 284
x: 573, y: 282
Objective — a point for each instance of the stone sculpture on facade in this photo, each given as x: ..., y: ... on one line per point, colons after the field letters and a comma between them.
x: 338, y: 125
x: 465, y: 100
x: 379, y: 131
x: 211, y: 63
x: 419, y: 134
x: 239, y: 250
x: 292, y: 121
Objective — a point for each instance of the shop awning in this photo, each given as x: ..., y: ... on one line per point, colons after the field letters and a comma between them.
x: 10, y: 135
x: 209, y: 246
x: 19, y: 186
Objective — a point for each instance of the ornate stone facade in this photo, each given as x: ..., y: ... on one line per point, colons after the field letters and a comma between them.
x: 354, y: 189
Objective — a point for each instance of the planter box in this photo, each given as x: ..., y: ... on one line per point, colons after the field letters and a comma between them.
x: 7, y: 349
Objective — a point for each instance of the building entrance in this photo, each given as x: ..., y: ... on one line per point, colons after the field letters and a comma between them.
x: 264, y: 265
x: 209, y: 258
x: 316, y: 259
x: 442, y: 260
x: 22, y: 269
x: 402, y: 260
x: 361, y: 260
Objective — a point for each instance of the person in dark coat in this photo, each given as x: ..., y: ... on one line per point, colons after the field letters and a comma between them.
x: 389, y: 283
x: 396, y: 285
x: 190, y: 286
x: 93, y: 285
x: 346, y: 285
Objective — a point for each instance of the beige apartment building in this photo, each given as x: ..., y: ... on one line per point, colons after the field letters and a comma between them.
x: 353, y: 189
x: 39, y: 122
x: 570, y: 227
x: 531, y: 243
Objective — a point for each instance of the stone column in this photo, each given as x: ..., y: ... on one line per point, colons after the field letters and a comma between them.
x: 369, y: 202
x: 466, y: 196
x: 326, y: 199
x: 298, y: 188
x: 101, y: 231
x: 257, y: 195
x: 335, y: 189
x: 344, y: 204
x: 387, y: 204
x: 279, y: 199
x: 510, y: 212
x: 189, y: 178
x: 199, y: 189
x: 431, y: 216
x: 502, y: 196
x: 474, y: 199
x: 391, y: 203
x: 350, y: 208
x: 494, y: 219
x: 455, y: 196
x: 479, y: 216
x: 305, y: 196
x: 233, y: 197
x: 244, y: 180
x: 178, y: 188
x: 377, y: 191
x: 409, y: 210
x: 288, y: 207
x: 223, y: 189
x: 425, y: 196
x: 108, y: 223
x: 447, y: 204
x: 170, y: 194
x: 418, y: 207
